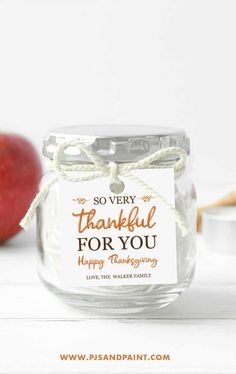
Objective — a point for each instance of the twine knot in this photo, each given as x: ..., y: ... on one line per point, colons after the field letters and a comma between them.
x: 98, y: 168
x: 114, y: 172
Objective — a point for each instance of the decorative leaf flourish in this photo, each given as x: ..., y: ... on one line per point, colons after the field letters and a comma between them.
x: 146, y: 198
x: 80, y: 200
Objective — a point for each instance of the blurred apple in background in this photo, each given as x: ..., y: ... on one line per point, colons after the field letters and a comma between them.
x: 20, y: 172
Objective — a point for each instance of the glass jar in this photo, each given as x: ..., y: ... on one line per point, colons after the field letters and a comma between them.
x: 117, y: 145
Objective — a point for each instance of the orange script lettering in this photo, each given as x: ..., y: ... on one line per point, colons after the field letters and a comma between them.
x: 87, y: 220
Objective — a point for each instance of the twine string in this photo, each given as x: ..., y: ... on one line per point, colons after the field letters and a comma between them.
x: 113, y: 171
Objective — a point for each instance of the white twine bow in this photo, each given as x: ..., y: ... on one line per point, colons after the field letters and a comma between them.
x: 113, y: 171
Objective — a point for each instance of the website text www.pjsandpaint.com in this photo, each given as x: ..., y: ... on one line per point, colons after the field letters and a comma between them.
x: 114, y: 357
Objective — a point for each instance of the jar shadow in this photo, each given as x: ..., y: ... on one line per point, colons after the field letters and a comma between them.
x: 201, y: 301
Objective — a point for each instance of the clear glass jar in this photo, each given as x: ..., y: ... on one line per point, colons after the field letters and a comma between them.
x: 118, y: 144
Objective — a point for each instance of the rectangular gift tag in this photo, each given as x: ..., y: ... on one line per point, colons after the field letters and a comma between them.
x: 118, y: 239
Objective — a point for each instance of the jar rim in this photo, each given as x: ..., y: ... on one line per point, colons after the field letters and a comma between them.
x: 120, y: 143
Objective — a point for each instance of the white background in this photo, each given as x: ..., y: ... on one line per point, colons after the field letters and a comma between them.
x: 123, y: 61
x: 131, y: 62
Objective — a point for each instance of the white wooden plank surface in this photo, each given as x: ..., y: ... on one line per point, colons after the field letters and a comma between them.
x: 198, y: 330
x: 195, y: 346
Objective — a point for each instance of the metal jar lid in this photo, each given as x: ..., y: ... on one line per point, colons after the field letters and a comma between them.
x: 115, y: 142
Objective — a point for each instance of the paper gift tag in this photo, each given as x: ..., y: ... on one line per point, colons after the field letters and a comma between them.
x: 117, y: 239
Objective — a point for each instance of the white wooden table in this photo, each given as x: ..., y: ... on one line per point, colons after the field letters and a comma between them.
x: 198, y: 331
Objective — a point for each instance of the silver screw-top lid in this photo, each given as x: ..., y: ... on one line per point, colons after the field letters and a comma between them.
x: 115, y: 142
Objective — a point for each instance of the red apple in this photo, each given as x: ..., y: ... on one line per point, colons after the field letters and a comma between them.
x: 20, y: 173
